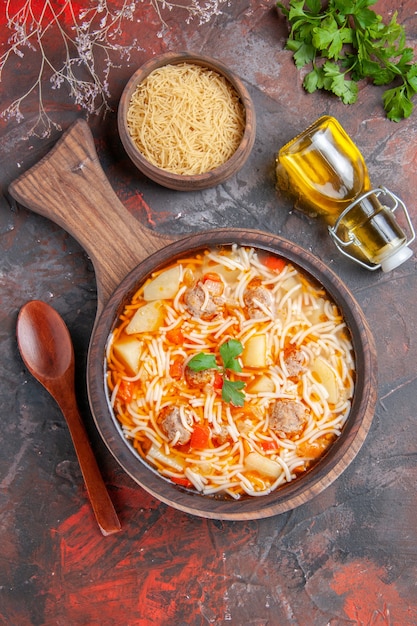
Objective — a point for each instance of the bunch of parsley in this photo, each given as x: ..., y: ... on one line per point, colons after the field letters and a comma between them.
x: 345, y: 42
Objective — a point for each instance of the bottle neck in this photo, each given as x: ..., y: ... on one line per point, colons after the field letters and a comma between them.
x: 368, y: 233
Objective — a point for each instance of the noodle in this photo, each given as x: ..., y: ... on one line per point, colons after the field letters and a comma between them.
x: 186, y: 119
x: 307, y: 371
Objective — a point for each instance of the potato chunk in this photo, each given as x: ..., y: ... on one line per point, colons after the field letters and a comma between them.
x: 229, y: 275
x: 262, y: 384
x: 128, y: 352
x: 266, y: 467
x: 147, y: 318
x: 164, y: 286
x: 325, y: 374
x: 317, y: 315
x: 254, y: 352
x: 156, y: 455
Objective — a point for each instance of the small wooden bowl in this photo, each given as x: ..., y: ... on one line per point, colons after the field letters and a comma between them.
x: 177, y: 181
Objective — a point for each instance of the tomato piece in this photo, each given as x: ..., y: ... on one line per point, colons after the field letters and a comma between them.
x: 183, y: 482
x: 299, y: 470
x: 213, y: 276
x: 175, y: 336
x: 268, y: 445
x: 274, y: 263
x: 213, y: 284
x: 126, y: 390
x: 218, y: 381
x: 290, y: 349
x: 176, y: 368
x: 200, y: 437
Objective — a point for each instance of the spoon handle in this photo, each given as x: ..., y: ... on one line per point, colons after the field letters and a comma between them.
x: 100, y: 500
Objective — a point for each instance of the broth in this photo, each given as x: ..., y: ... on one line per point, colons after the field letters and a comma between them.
x: 230, y: 372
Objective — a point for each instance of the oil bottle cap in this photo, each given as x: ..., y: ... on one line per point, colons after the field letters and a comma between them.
x: 396, y: 259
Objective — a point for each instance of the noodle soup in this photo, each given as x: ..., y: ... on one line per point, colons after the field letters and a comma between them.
x: 230, y: 372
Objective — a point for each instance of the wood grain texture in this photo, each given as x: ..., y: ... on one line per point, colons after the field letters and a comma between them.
x: 69, y: 187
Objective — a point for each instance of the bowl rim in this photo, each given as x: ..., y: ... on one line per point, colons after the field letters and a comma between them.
x: 292, y: 494
x: 194, y: 181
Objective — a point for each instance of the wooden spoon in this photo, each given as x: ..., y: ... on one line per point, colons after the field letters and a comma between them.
x: 47, y: 351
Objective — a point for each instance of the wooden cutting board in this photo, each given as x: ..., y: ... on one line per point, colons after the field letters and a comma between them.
x: 69, y: 187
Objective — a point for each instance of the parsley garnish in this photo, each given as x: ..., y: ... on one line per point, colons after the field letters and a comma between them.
x: 229, y: 352
x: 203, y: 361
x: 345, y: 42
x: 231, y: 391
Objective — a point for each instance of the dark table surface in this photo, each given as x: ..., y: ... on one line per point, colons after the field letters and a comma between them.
x: 348, y: 556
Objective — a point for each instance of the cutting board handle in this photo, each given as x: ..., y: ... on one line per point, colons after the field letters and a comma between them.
x: 69, y: 187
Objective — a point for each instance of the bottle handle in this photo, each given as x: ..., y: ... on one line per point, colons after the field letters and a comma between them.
x: 341, y: 244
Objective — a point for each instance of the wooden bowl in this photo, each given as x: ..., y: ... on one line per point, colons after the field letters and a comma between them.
x: 340, y: 454
x: 177, y: 181
x: 69, y: 187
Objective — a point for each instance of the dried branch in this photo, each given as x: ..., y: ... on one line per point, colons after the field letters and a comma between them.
x: 89, y: 41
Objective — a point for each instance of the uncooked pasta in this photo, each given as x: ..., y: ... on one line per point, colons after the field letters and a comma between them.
x: 230, y: 372
x: 186, y: 119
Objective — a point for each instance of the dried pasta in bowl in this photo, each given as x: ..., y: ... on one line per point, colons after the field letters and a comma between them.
x: 186, y: 119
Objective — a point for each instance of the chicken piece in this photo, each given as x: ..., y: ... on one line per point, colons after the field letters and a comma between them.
x: 204, y: 299
x: 199, y: 379
x: 170, y: 422
x: 221, y: 437
x: 294, y: 360
x: 287, y: 418
x: 257, y: 298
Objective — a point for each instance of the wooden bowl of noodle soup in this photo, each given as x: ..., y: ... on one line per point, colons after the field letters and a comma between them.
x: 69, y: 187
x: 207, y: 499
x: 186, y: 121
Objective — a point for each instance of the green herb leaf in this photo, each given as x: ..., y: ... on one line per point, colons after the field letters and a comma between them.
x: 231, y: 392
x: 344, y: 42
x: 397, y: 104
x: 412, y: 78
x: 303, y: 53
x: 314, y: 6
x: 312, y: 81
x: 202, y: 361
x: 330, y: 37
x: 337, y: 83
x: 229, y: 352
